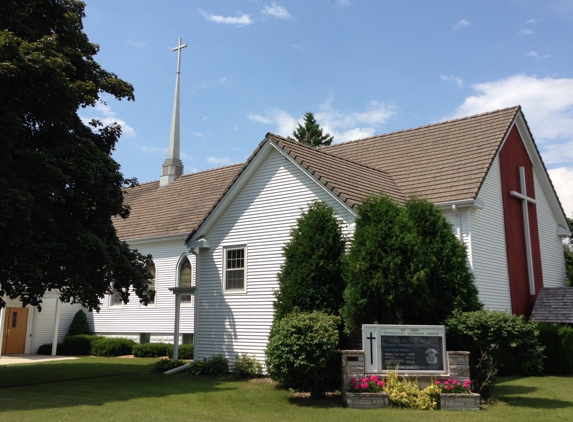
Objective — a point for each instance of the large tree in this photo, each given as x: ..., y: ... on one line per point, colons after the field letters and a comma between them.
x: 311, y: 133
x: 311, y: 276
x: 60, y: 187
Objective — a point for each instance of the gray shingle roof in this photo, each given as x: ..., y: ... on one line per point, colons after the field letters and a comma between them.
x: 442, y: 162
x: 554, y: 305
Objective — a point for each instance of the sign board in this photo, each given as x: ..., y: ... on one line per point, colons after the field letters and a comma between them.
x: 419, y: 349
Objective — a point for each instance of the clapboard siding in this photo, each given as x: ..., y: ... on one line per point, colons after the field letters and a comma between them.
x: 460, y: 228
x: 488, y: 251
x: 260, y: 217
x: 552, y: 263
x: 132, y: 319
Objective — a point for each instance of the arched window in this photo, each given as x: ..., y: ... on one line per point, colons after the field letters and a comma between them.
x: 185, y: 278
x: 151, y: 288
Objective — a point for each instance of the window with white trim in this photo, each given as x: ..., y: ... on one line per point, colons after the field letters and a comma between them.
x: 234, y: 263
x: 185, y: 279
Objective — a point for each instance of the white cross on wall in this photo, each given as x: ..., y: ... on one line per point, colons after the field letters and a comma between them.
x: 524, y: 201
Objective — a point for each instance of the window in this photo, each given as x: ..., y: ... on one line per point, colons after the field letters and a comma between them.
x: 185, y: 278
x: 234, y: 269
x: 151, y: 288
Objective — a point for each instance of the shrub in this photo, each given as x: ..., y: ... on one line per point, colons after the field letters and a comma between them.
x: 495, y: 339
x: 301, y: 347
x: 152, y: 350
x: 215, y: 366
x: 79, y: 324
x: 558, y: 342
x: 185, y: 351
x: 406, y: 393
x: 163, y: 365
x: 79, y: 345
x: 46, y: 349
x: 246, y: 366
x: 311, y: 276
x: 105, y: 346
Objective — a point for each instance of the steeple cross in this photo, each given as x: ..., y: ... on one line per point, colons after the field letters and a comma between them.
x: 524, y: 201
x: 179, y: 48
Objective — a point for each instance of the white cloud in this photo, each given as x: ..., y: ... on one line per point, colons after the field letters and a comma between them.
x: 223, y: 80
x: 103, y: 112
x: 277, y: 11
x: 186, y: 156
x: 455, y: 79
x: 524, y: 32
x: 462, y: 24
x: 562, y: 179
x: 240, y: 20
x: 136, y: 44
x: 532, y: 21
x: 153, y: 150
x: 344, y: 126
x: 536, y: 56
x: 220, y: 161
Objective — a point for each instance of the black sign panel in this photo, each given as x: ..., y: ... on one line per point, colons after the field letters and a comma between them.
x: 423, y: 353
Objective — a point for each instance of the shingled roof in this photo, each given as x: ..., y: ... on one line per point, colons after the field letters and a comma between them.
x: 442, y: 162
x: 554, y: 305
x: 173, y: 209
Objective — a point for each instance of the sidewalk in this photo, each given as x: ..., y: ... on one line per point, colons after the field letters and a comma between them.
x: 22, y: 358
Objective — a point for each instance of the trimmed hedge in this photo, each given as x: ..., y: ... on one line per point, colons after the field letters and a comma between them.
x: 164, y: 365
x: 152, y: 350
x: 185, y: 351
x: 80, y: 345
x: 105, y: 346
x: 215, y: 366
x: 558, y: 342
x: 79, y: 324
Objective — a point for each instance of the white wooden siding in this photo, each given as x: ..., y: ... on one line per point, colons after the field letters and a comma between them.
x: 132, y: 319
x: 552, y: 262
x: 261, y: 217
x: 460, y: 226
x: 488, y: 250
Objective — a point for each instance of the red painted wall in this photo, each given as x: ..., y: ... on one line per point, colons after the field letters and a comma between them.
x: 513, y: 155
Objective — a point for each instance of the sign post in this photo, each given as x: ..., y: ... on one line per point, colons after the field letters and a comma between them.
x: 419, y: 349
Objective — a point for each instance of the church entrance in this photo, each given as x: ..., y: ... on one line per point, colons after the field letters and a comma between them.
x: 15, y: 324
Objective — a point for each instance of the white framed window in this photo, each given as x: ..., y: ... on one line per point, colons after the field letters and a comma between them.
x: 235, y: 269
x: 151, y: 288
x: 185, y: 278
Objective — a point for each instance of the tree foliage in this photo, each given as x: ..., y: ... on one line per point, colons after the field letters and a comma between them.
x: 405, y: 266
x: 448, y: 279
x: 311, y: 133
x: 386, y: 274
x: 311, y: 276
x: 60, y: 186
x: 301, y: 351
x: 568, y: 252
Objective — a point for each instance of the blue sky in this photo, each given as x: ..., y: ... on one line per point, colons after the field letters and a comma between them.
x: 363, y: 68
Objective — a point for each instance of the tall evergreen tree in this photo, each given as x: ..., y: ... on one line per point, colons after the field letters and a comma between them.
x: 311, y: 276
x: 311, y: 133
x: 449, y: 281
x: 386, y: 268
x: 60, y: 186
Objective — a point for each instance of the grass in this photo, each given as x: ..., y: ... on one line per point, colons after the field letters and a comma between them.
x: 126, y: 389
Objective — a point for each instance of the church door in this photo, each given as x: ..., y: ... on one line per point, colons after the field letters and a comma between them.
x: 15, y: 325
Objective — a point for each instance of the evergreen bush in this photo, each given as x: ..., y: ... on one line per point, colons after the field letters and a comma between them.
x: 79, y: 345
x: 215, y: 366
x: 495, y: 340
x: 163, y: 365
x: 386, y: 268
x: 311, y: 275
x: 152, y: 350
x: 558, y: 343
x: 302, y: 347
x: 79, y: 324
x: 246, y: 366
x: 185, y: 351
x: 106, y: 346
x: 46, y: 349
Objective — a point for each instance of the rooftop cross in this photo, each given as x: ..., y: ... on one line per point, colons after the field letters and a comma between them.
x: 173, y: 167
x: 525, y: 200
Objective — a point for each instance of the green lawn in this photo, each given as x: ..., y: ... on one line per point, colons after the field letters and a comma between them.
x: 126, y: 389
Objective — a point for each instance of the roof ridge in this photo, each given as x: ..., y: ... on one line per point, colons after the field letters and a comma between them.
x: 516, y: 107
x: 321, y: 150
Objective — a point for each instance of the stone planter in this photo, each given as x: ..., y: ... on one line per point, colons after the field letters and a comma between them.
x: 365, y: 400
x: 459, y: 401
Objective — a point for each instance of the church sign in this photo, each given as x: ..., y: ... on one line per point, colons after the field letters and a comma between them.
x: 419, y: 349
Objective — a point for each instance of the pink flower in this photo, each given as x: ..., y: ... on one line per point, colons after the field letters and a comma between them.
x: 365, y: 379
x: 455, y: 382
x: 364, y: 385
x: 438, y: 382
x: 353, y: 380
x: 373, y: 378
x: 380, y: 383
x: 357, y: 387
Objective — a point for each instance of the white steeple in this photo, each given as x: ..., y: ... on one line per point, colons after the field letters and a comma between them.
x: 173, y: 167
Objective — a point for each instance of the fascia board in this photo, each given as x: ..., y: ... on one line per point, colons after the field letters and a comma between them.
x: 232, y: 193
x: 541, y: 171
x: 462, y: 203
x: 315, y: 180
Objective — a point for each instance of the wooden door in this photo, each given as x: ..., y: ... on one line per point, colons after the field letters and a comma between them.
x: 15, y: 324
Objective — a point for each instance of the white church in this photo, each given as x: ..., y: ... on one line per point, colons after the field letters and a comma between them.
x: 216, y: 236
